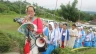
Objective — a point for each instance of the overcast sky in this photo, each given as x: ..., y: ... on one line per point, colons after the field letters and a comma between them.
x: 85, y: 5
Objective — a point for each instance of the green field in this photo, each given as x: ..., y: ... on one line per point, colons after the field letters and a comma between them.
x: 7, y: 25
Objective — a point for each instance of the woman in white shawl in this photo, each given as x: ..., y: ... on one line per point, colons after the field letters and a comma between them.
x: 64, y: 36
x: 57, y: 34
x: 88, y: 39
x: 50, y: 38
x: 78, y: 41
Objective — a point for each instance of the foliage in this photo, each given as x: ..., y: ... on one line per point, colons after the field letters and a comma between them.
x: 13, y: 6
x: 86, y: 16
x: 7, y: 7
x: 9, y: 27
x: 82, y: 50
x: 63, y: 51
x: 5, y: 42
x: 69, y: 12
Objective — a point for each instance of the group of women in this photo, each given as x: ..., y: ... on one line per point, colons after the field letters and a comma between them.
x: 58, y: 35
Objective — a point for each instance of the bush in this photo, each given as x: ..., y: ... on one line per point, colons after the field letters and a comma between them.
x: 4, y: 42
x: 9, y: 12
x: 12, y: 12
x: 17, y: 40
x: 63, y: 51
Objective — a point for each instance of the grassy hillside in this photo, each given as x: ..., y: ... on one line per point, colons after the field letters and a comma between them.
x: 9, y: 27
x: 6, y: 23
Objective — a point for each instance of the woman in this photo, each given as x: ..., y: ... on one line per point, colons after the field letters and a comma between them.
x: 50, y: 38
x: 57, y: 34
x: 73, y: 35
x: 64, y: 36
x: 78, y: 41
x: 30, y: 47
x: 88, y: 39
x: 94, y: 40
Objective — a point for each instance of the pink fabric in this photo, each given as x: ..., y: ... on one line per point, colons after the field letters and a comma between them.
x: 39, y: 24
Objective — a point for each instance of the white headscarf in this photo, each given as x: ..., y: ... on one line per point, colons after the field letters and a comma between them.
x: 51, y: 33
x: 52, y: 24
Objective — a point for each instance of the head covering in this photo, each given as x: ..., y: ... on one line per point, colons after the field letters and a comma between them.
x: 51, y: 33
x: 52, y: 24
x: 88, y: 31
x: 95, y: 33
x: 81, y: 27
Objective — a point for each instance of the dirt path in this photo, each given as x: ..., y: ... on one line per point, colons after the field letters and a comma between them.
x: 11, y: 53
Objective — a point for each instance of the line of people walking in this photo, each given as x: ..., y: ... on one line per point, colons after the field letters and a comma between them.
x: 59, y: 35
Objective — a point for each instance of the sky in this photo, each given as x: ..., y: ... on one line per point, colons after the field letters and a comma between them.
x: 84, y: 5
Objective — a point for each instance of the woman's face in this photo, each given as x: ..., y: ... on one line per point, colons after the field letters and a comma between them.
x: 60, y: 25
x: 55, y: 25
x: 64, y: 26
x: 50, y: 27
x: 30, y: 11
x: 73, y: 27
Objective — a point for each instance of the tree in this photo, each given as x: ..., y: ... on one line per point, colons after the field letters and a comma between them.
x: 69, y: 12
x: 3, y: 7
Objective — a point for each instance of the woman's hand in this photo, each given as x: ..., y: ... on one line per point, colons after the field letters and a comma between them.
x: 30, y: 27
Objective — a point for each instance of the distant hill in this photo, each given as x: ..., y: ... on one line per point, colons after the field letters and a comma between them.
x: 90, y: 12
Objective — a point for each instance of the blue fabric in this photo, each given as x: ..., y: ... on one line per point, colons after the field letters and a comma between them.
x: 51, y: 47
x: 77, y: 44
x: 63, y: 37
x: 80, y: 43
x: 90, y: 37
x: 67, y: 35
x: 94, y: 42
x: 60, y: 29
x: 82, y: 38
x: 88, y: 44
x: 46, y: 33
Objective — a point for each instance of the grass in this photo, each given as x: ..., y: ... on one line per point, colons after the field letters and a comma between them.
x: 88, y: 51
x: 6, y: 22
x: 8, y: 26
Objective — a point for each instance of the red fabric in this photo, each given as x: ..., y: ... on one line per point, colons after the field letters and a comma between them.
x: 62, y: 46
x: 82, y: 43
x: 27, y: 47
x: 39, y: 24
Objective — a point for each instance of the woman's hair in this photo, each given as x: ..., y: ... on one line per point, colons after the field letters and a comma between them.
x: 73, y: 25
x: 64, y: 24
x: 30, y: 6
